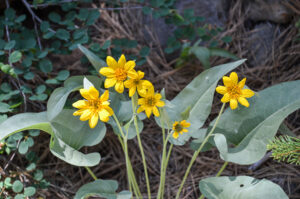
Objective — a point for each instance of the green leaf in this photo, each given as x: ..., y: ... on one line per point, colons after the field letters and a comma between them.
x: 203, y: 54
x: 102, y: 188
x: 38, y: 175
x: 29, y: 191
x: 95, y: 60
x: 252, y: 128
x: 240, y: 187
x: 17, y: 186
x: 45, y: 65
x: 10, y: 45
x: 63, y: 75
x: 227, y: 39
x: 62, y: 34
x: 59, y: 96
x: 68, y: 154
x: 15, y: 57
x: 23, y: 148
x: 144, y: 51
x: 222, y: 53
x: 195, y: 100
x: 24, y: 121
x: 76, y: 133
x: 4, y: 108
x: 40, y: 89
x: 54, y: 17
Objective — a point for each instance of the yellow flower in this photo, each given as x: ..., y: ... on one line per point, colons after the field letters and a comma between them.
x: 233, y: 91
x: 180, y: 127
x: 94, y: 107
x: 136, y: 83
x: 117, y: 72
x: 149, y: 102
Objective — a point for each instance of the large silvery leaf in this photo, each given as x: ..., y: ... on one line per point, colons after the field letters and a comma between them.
x: 68, y: 154
x: 252, y: 128
x: 24, y: 121
x: 59, y: 96
x: 195, y: 100
x: 76, y: 133
x: 94, y: 59
x: 102, y: 188
x: 240, y: 187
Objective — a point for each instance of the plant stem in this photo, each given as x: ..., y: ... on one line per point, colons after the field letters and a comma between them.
x: 134, y: 104
x: 196, y: 153
x: 165, y: 170
x: 91, y: 173
x: 218, y: 174
x: 162, y: 167
x: 130, y: 174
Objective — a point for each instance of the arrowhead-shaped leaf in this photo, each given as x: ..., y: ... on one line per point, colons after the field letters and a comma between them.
x: 194, y: 102
x: 94, y: 59
x: 240, y: 187
x: 252, y: 128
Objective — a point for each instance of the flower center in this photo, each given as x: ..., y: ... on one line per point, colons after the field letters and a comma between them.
x: 96, y: 104
x: 150, y: 101
x: 121, y: 74
x: 136, y: 82
x: 178, y: 128
x: 234, y: 91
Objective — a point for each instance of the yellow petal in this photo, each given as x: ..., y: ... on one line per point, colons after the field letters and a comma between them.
x: 80, y: 104
x: 157, y: 96
x: 227, y: 81
x: 160, y: 103
x: 132, y: 74
x: 86, y: 114
x: 111, y: 62
x: 155, y: 111
x: 234, y: 77
x: 140, y: 109
x: 109, y: 110
x: 175, y: 135
x: 141, y: 91
x: 175, y: 124
x: 221, y: 89
x: 141, y: 101
x: 128, y: 83
x: 147, y: 84
x: 185, y: 124
x: 129, y: 65
x: 104, y: 115
x: 105, y: 96
x: 225, y: 98
x: 119, y: 87
x: 233, y: 104
x: 148, y: 112
x: 185, y: 130
x: 247, y: 93
x: 93, y: 120
x: 122, y: 61
x: 94, y: 93
x: 86, y: 94
x: 242, y: 83
x: 132, y: 91
x: 141, y: 74
x: 110, y: 82
x: 79, y: 112
x: 243, y: 101
x: 107, y: 72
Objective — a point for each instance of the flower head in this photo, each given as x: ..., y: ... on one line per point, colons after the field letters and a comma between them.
x: 149, y: 102
x: 136, y: 83
x: 180, y: 127
x: 93, y: 107
x: 233, y: 91
x: 117, y: 72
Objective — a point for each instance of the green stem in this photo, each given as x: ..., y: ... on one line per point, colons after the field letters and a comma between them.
x: 162, y: 167
x: 91, y: 173
x: 130, y: 174
x: 196, y: 153
x: 165, y: 170
x: 218, y: 174
x: 134, y: 100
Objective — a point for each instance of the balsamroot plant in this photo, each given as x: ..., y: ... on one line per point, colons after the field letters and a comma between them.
x: 120, y: 97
